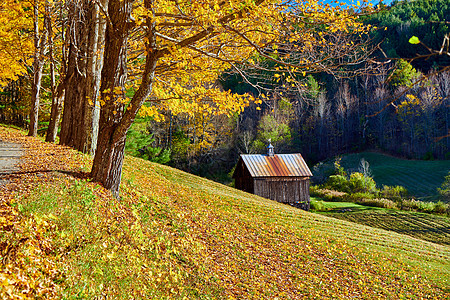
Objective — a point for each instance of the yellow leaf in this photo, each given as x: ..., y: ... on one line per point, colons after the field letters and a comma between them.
x: 414, y: 40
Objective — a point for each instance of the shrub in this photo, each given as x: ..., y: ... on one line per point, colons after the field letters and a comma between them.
x: 378, y: 202
x: 428, y: 156
x: 314, y: 190
x: 355, y: 197
x: 410, y: 204
x: 360, y: 183
x: 442, y: 208
x: 444, y: 190
x: 338, y: 182
x: 395, y: 193
x: 428, y: 207
x: 339, y: 170
x: 326, y: 194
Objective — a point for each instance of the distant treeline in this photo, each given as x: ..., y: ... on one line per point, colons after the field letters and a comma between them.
x: 377, y: 110
x: 429, y: 20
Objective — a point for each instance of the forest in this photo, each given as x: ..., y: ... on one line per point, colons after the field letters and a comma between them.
x: 393, y: 98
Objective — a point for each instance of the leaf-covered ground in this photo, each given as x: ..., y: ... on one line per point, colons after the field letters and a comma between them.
x: 174, y: 235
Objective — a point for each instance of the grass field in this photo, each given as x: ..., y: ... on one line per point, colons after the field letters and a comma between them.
x: 173, y: 235
x: 421, y: 178
x: 429, y: 227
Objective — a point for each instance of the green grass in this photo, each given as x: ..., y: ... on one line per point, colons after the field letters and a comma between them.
x: 429, y: 227
x: 336, y: 206
x: 421, y: 178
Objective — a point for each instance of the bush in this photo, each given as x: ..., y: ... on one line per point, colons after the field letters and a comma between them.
x: 317, y: 205
x: 418, y: 205
x: 395, y: 193
x: 442, y: 208
x: 428, y: 156
x: 428, y: 207
x: 338, y: 182
x: 314, y: 190
x: 326, y: 194
x: 360, y: 183
x: 378, y: 202
x: 355, y: 197
x: 444, y: 190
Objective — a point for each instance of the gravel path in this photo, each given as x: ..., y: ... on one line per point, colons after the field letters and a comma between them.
x: 10, y: 154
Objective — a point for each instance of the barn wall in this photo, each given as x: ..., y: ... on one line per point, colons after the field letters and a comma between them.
x: 243, y: 179
x: 290, y: 190
x: 244, y: 184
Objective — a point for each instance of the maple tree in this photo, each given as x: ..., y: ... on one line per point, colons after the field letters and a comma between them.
x: 84, y: 39
x: 171, y: 53
x: 15, y: 46
x: 16, y: 51
x: 25, y: 36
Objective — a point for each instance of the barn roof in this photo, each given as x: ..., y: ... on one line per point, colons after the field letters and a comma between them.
x: 279, y: 165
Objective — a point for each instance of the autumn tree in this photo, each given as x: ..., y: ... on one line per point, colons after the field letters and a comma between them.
x: 16, y: 47
x: 57, y: 57
x: 16, y: 52
x: 27, y: 44
x: 85, y: 39
x: 40, y: 34
x: 170, y: 54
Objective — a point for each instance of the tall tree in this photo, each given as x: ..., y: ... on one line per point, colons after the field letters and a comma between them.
x: 171, y: 53
x: 57, y: 89
x: 40, y: 34
x: 81, y: 110
x: 16, y: 46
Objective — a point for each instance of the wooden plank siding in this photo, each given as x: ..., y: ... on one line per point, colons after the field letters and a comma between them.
x: 243, y: 179
x: 289, y: 190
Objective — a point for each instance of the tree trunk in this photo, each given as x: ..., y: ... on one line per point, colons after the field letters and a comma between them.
x: 115, y: 120
x: 35, y: 97
x: 55, y: 115
x: 57, y: 92
x: 38, y: 65
x: 73, y: 115
x: 81, y: 109
x: 94, y: 68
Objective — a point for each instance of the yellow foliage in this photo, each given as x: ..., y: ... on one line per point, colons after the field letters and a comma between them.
x: 198, y: 40
x: 16, y: 46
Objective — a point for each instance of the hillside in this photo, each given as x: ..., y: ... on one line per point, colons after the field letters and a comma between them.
x: 175, y: 235
x: 420, y: 177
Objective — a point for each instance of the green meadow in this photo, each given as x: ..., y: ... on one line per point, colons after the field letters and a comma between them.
x: 421, y: 178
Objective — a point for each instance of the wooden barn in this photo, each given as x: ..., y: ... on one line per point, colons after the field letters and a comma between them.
x: 280, y: 177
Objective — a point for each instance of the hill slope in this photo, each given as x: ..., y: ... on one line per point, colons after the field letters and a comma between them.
x: 173, y: 235
x: 421, y: 178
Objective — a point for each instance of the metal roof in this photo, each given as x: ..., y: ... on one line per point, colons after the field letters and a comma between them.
x: 279, y: 165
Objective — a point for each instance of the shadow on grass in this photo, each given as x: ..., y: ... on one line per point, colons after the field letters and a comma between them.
x: 79, y: 175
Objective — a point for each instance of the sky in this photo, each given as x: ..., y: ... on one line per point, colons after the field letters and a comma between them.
x: 374, y: 2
